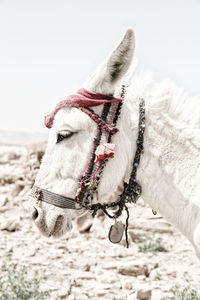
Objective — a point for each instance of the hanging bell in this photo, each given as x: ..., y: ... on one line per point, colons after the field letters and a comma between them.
x: 116, y: 232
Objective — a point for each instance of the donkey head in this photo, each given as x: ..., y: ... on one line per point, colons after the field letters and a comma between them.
x: 70, y: 144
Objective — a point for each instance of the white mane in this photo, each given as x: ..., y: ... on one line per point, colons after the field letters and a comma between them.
x: 168, y: 97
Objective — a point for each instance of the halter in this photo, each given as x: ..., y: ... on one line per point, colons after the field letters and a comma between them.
x: 101, y: 152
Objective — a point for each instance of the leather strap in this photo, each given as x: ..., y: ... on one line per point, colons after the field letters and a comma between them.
x: 53, y: 198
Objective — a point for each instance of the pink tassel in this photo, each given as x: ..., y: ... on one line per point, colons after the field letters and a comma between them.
x: 104, y: 151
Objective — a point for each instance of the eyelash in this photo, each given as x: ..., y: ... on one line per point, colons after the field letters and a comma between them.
x: 64, y: 135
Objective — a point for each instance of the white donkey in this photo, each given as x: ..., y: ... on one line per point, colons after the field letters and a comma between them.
x: 169, y: 169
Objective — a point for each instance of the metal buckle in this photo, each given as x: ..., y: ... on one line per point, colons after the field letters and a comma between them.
x: 36, y: 194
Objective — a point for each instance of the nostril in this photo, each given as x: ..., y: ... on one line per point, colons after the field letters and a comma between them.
x: 35, y: 214
x: 59, y: 220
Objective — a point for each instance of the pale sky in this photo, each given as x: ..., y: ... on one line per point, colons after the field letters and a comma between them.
x: 50, y: 47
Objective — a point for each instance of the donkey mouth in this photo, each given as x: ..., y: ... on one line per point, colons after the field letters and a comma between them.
x: 57, y: 230
x: 51, y: 223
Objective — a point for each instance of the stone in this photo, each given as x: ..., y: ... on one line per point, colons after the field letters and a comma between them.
x: 84, y: 222
x: 133, y: 235
x: 162, y: 227
x: 64, y: 292
x: 133, y: 269
x: 5, y: 208
x: 141, y: 277
x: 71, y: 297
x: 83, y: 275
x: 102, y: 293
x: 154, y: 274
x: 17, y: 189
x: 98, y: 228
x: 110, y: 265
x: 144, y: 294
x: 3, y: 200
x: 128, y: 286
x: 82, y: 297
x: 10, y: 224
x: 172, y: 273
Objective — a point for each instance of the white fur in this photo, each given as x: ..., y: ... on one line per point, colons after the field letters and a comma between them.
x: 169, y: 170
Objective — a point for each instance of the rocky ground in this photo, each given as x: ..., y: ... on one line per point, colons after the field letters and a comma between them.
x: 84, y: 264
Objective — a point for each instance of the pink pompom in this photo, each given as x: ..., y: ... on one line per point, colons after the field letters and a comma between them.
x: 104, y: 151
x: 48, y: 121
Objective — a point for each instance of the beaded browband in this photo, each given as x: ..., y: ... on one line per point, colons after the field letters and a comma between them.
x: 103, y: 149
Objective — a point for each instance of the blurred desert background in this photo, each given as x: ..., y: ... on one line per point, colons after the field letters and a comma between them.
x: 48, y: 49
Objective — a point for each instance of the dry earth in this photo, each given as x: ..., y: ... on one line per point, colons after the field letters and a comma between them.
x: 84, y: 264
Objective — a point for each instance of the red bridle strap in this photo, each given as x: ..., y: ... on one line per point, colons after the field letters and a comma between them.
x: 82, y: 99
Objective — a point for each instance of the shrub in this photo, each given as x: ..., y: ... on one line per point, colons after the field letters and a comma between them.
x: 183, y: 294
x: 16, y: 284
x: 150, y: 245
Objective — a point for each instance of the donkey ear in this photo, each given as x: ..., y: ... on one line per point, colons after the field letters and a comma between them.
x: 107, y: 76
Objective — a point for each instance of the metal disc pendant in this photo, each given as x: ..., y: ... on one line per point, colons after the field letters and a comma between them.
x: 116, y: 232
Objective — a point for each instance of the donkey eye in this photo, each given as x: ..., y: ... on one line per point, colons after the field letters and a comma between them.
x: 64, y: 135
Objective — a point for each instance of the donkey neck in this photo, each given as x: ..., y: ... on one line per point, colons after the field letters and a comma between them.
x: 168, y: 171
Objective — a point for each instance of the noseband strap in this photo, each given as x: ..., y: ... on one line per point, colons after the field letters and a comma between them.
x: 53, y: 198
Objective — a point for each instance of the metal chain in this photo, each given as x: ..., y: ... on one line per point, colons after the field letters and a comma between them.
x: 132, y: 190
